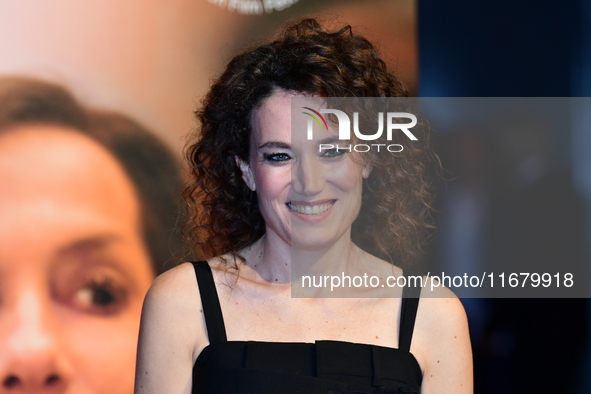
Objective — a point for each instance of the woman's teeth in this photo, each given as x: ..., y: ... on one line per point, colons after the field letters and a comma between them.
x: 310, y: 209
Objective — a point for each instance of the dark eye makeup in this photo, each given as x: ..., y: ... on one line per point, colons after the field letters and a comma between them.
x: 276, y: 157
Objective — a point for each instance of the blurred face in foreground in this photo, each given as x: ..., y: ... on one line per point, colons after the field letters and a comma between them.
x: 73, y: 265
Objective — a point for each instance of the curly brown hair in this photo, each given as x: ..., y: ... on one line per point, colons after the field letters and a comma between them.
x: 305, y: 58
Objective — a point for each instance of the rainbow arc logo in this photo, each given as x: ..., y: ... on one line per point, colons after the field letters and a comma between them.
x: 344, y: 128
x: 318, y: 115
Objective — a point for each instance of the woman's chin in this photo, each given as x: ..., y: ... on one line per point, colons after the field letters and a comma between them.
x: 311, y: 240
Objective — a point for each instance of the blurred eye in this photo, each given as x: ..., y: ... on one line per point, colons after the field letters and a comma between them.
x: 92, y: 276
x: 276, y: 157
x: 330, y: 153
x: 100, y: 297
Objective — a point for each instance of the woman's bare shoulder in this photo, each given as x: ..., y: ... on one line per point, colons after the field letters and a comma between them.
x: 172, y: 333
x: 173, y: 305
x: 440, y: 312
x: 442, y: 341
x: 175, y: 288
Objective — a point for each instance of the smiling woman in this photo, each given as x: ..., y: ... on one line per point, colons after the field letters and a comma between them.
x: 265, y: 204
x: 74, y: 262
x: 307, y: 198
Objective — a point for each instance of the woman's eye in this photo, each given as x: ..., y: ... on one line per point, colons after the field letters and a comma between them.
x: 276, y: 157
x: 333, y: 153
x: 100, y: 297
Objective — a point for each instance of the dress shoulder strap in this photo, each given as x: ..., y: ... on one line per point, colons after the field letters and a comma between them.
x: 408, y: 313
x: 214, y: 320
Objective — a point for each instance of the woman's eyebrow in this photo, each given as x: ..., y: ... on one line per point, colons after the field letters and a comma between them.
x: 88, y: 244
x: 331, y: 140
x: 275, y: 144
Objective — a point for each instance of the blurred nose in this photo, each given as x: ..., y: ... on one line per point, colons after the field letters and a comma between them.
x: 31, y: 360
x: 308, y: 177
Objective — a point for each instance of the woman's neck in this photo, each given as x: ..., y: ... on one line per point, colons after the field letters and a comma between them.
x: 276, y: 261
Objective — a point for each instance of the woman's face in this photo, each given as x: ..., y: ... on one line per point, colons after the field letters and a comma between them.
x: 73, y: 265
x: 308, y: 198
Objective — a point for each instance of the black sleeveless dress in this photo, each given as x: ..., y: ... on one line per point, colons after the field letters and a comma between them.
x: 323, y: 367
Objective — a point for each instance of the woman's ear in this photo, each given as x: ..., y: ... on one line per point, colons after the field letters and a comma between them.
x: 366, y: 171
x: 247, y: 174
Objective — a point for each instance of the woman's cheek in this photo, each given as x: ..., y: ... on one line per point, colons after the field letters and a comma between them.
x: 105, y: 348
x: 272, y: 181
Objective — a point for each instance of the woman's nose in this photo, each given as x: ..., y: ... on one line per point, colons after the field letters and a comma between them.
x: 308, y: 177
x: 31, y: 359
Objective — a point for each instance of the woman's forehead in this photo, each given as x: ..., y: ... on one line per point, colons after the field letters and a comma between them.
x: 53, y: 161
x: 283, y: 116
x: 272, y: 120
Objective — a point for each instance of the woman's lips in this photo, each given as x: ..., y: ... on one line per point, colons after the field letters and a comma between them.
x: 310, y: 208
